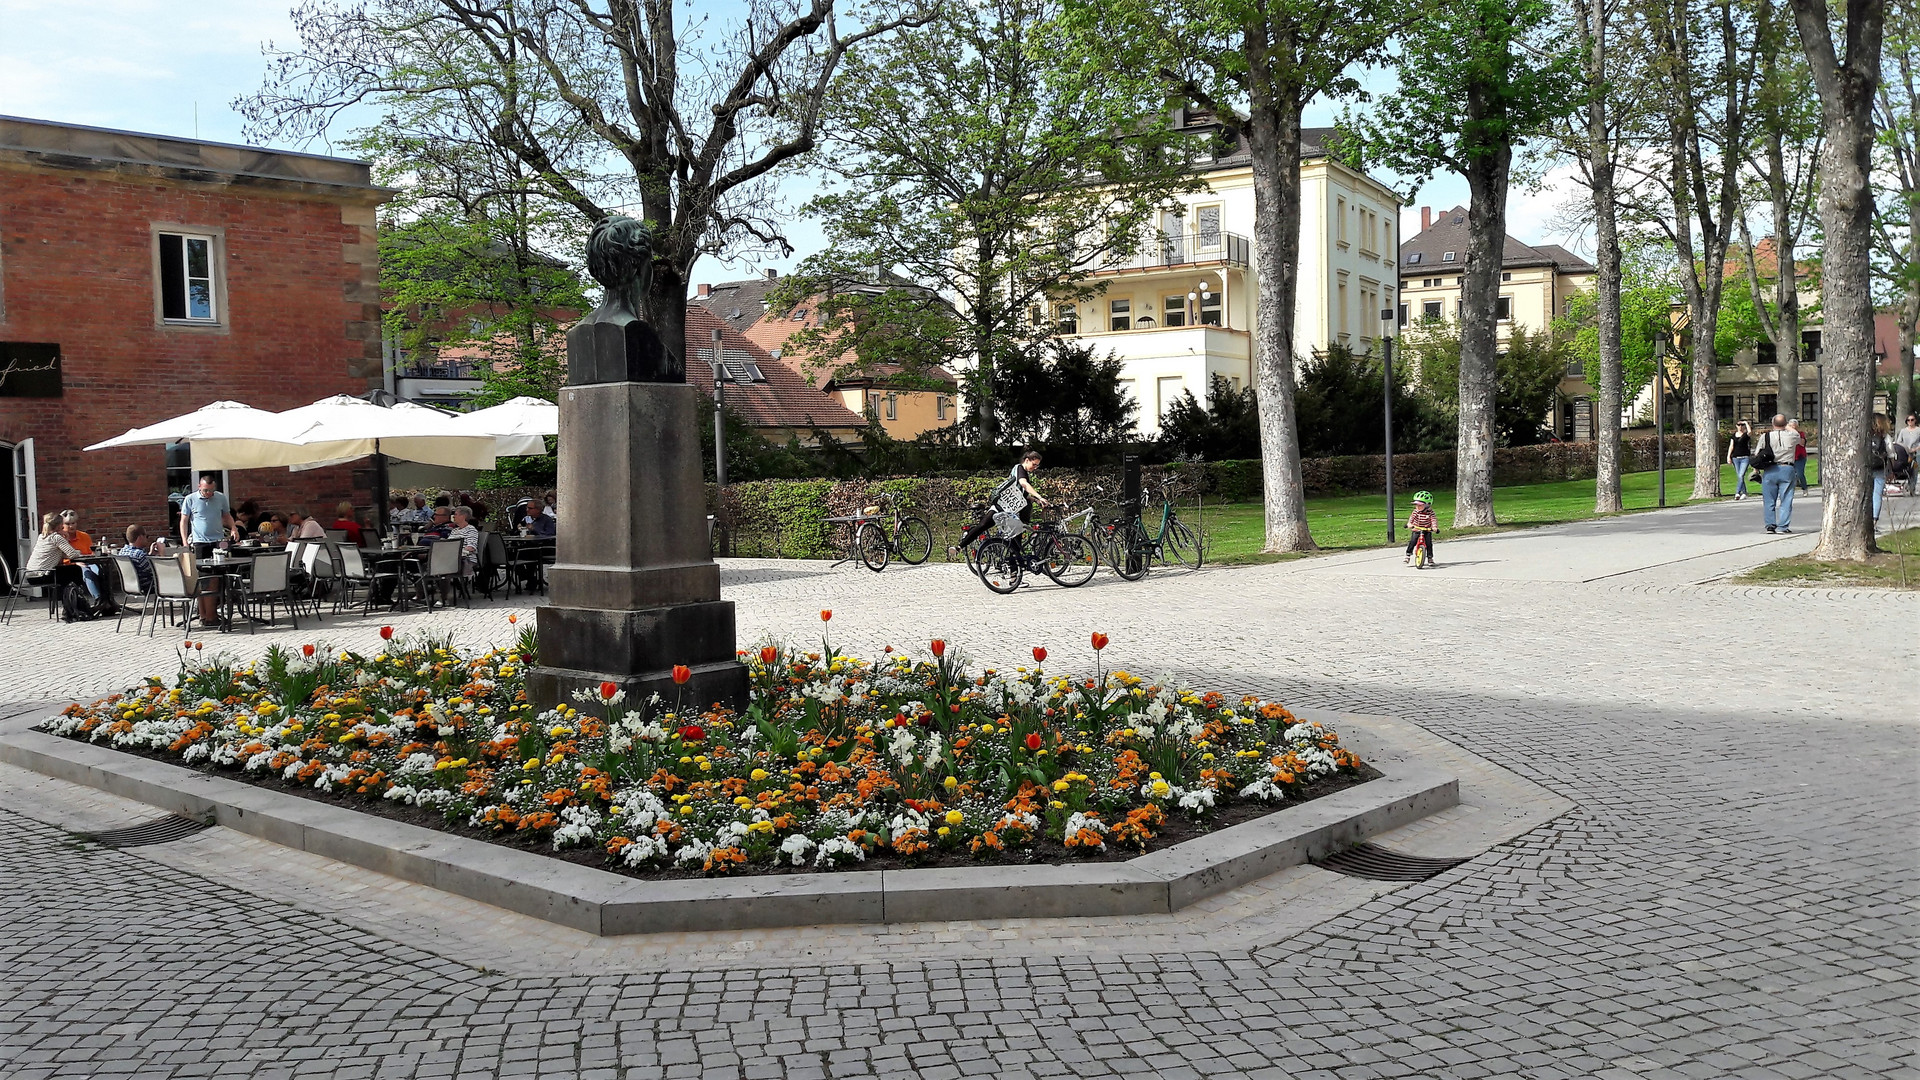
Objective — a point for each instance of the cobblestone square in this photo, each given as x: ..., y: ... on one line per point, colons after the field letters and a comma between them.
x: 1730, y: 894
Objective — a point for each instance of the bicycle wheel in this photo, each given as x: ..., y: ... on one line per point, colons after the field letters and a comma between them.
x: 1000, y: 568
x: 1420, y: 553
x: 914, y: 541
x: 1131, y: 552
x: 1180, y: 546
x: 871, y: 542
x: 1071, y: 560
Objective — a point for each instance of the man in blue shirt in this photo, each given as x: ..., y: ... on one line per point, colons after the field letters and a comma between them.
x: 205, y: 519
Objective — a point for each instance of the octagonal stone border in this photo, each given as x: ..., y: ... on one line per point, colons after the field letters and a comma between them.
x: 604, y: 903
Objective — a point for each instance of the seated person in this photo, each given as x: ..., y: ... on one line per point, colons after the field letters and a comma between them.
x: 81, y: 541
x: 51, y: 552
x: 247, y: 516
x: 138, y: 548
x: 538, y: 522
x: 345, y: 523
x: 418, y: 514
x: 442, y: 522
x: 304, y: 527
x: 469, y: 536
x: 273, y: 528
x: 397, y: 511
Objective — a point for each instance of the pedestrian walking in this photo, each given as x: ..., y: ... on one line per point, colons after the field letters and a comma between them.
x: 1879, y: 457
x: 1799, y: 455
x: 1773, y: 456
x: 1739, y: 453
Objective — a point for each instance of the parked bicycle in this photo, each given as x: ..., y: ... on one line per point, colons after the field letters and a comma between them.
x: 1067, y: 557
x: 872, y: 539
x: 1175, y: 543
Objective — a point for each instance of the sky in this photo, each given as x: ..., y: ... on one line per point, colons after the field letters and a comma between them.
x: 174, y: 69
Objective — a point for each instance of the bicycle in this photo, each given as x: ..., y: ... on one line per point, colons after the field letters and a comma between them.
x: 1121, y: 543
x: 1068, y: 558
x: 873, y: 544
x: 1422, y: 549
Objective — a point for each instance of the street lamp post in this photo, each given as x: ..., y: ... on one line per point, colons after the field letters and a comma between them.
x: 719, y: 415
x: 1386, y: 358
x: 1660, y: 411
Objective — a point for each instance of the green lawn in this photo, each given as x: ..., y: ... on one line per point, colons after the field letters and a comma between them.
x: 1896, y: 567
x: 1236, y: 531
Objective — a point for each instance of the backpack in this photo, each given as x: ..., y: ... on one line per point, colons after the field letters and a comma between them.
x: 76, y: 603
x: 1763, y: 458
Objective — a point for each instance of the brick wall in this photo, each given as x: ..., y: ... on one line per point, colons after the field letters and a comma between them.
x: 301, y: 307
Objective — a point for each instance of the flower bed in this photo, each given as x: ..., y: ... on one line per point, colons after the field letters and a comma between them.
x: 836, y: 762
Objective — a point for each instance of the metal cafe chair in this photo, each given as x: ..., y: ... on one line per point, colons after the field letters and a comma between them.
x: 173, y: 589
x: 130, y: 592
x: 443, y: 571
x: 269, y: 587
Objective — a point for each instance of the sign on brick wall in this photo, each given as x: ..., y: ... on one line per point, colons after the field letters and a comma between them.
x: 29, y: 369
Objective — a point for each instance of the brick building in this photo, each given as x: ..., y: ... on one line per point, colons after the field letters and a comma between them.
x: 144, y: 276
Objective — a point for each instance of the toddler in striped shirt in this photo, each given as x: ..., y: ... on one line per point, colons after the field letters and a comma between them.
x: 1421, y: 523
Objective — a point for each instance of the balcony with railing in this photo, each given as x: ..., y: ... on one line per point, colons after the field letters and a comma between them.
x: 1165, y: 251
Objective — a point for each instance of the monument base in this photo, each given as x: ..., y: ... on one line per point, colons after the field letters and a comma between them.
x: 584, y: 647
x: 724, y: 683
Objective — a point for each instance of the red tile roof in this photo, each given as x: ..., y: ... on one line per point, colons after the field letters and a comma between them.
x: 784, y: 400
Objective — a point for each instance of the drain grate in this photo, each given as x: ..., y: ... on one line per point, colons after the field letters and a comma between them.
x: 158, y: 831
x: 1379, y: 864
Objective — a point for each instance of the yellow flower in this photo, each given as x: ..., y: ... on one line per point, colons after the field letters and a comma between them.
x: 1057, y: 805
x: 742, y: 800
x: 1061, y: 785
x: 686, y: 761
x: 758, y: 774
x: 686, y: 809
x: 1153, y: 776
x: 531, y: 764
x: 706, y: 766
x: 955, y: 817
x: 951, y: 782
x: 942, y: 831
x: 1161, y: 789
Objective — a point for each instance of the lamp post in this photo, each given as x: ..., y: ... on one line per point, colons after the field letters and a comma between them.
x: 1660, y: 411
x: 1386, y: 359
x: 719, y: 415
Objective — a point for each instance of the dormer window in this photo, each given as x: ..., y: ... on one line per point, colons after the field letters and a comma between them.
x: 1448, y: 257
x: 1413, y: 258
x: 799, y: 315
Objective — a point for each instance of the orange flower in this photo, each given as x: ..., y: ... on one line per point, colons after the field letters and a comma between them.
x: 826, y: 615
x: 1039, y: 654
x: 768, y: 654
x: 681, y: 673
x: 608, y: 689
x: 307, y: 649
x: 939, y: 648
x: 1033, y: 740
x: 1099, y: 641
x: 511, y: 619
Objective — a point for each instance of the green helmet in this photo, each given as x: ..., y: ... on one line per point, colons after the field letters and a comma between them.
x: 1423, y: 496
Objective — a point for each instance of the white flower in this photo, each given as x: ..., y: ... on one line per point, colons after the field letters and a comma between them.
x: 795, y: 847
x: 1263, y: 789
x: 693, y: 853
x: 836, y: 849
x: 576, y: 826
x: 1080, y: 824
x: 1198, y: 799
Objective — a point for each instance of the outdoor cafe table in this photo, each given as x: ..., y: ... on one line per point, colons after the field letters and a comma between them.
x: 377, y: 557
x: 232, y: 572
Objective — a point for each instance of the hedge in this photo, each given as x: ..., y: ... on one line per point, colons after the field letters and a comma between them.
x: 788, y: 517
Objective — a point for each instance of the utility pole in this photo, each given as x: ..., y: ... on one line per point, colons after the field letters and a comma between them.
x: 719, y: 415
x: 1660, y: 411
x: 1386, y: 356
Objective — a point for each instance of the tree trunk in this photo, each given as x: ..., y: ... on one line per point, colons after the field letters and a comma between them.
x: 1785, y: 326
x: 986, y: 414
x: 1846, y: 87
x: 1903, y: 394
x: 667, y: 307
x: 1487, y: 176
x: 1606, y: 217
x: 1273, y: 139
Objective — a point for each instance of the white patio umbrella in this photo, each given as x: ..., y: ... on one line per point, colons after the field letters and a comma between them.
x: 521, y: 416
x: 220, y: 420
x: 342, y: 428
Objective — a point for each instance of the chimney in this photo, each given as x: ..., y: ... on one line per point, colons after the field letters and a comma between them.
x: 705, y: 291
x: 1426, y: 217
x: 771, y: 274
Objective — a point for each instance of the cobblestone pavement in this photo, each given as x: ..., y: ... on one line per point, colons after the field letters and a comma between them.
x: 1732, y: 895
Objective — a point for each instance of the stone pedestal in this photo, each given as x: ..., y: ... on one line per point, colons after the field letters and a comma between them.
x: 633, y: 589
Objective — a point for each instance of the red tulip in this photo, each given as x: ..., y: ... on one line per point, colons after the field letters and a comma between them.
x: 386, y: 633
x: 511, y: 619
x: 608, y: 689
x: 692, y: 733
x: 768, y: 654
x: 1099, y: 641
x: 898, y: 721
x: 681, y: 673
x: 939, y: 648
x: 308, y: 649
x: 1033, y: 740
x: 199, y: 645
x: 1039, y: 654
x: 826, y: 615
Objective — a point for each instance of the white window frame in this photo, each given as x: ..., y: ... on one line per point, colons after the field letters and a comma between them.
x: 216, y: 279
x: 1201, y: 240
x: 1176, y: 308
x: 1120, y: 311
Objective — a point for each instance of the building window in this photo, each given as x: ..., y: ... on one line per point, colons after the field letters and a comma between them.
x: 1809, y: 406
x: 187, y: 278
x: 1169, y: 387
x: 1206, y: 227
x: 1210, y: 310
x: 1503, y: 309
x: 1037, y: 315
x: 1120, y: 316
x: 1403, y: 314
x: 800, y: 315
x: 1340, y: 218
x: 181, y: 482
x: 1506, y: 277
x: 893, y: 406
x: 1175, y: 309
x: 1723, y: 406
x: 1769, y: 405
x: 1234, y: 380
x: 1341, y: 300
x: 1766, y: 353
x: 939, y: 406
x: 1430, y: 311
x: 873, y: 405
x: 1069, y: 318
x: 1810, y: 345
x: 1413, y: 258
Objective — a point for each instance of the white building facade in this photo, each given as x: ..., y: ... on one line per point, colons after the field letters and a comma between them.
x: 1183, y: 310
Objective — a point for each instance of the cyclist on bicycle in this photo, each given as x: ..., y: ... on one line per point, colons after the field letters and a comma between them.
x: 1016, y: 481
x: 1421, y: 523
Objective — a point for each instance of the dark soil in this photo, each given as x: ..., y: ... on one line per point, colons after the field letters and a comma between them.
x: 1043, y: 851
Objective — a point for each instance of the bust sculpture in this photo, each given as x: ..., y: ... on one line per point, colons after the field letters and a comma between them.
x: 617, y: 342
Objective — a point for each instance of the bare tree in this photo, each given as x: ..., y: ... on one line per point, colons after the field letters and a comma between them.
x: 610, y: 105
x: 1786, y: 126
x: 1848, y: 82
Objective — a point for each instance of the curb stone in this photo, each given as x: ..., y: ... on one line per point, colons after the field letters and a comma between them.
x: 604, y: 903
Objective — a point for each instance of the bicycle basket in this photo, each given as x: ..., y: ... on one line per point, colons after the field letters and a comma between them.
x: 1007, y: 526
